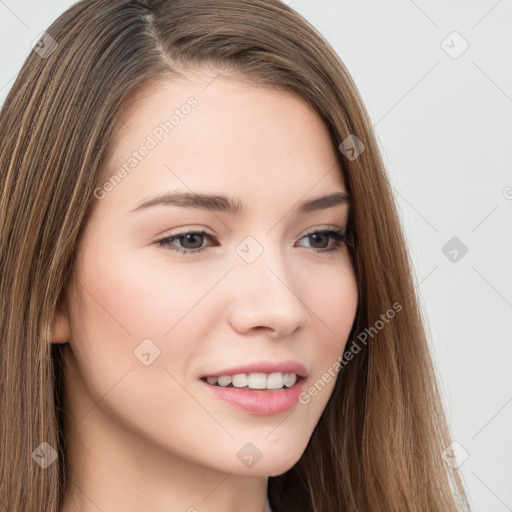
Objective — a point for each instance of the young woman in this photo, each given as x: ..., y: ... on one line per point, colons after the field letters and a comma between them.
x: 207, y: 302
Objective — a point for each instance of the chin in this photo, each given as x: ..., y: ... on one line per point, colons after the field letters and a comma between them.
x: 275, y: 463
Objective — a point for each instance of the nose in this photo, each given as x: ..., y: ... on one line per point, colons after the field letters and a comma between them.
x: 267, y: 297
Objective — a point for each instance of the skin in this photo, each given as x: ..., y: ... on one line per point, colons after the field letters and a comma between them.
x: 149, y: 437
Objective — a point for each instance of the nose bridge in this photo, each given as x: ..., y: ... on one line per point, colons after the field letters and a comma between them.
x: 268, y: 294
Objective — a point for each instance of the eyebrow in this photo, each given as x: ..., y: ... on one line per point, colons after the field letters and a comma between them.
x: 233, y: 206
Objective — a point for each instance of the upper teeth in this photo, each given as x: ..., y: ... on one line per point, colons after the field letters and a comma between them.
x: 255, y: 380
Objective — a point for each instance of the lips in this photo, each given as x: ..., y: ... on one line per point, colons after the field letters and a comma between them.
x: 258, y: 401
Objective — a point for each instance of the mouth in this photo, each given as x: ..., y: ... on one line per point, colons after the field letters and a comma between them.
x: 256, y: 393
x: 256, y: 381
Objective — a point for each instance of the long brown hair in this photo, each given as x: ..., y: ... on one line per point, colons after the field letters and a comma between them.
x: 378, y: 444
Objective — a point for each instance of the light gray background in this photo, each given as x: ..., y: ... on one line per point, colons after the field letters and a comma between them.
x: 445, y: 128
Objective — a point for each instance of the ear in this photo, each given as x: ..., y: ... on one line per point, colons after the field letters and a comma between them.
x: 61, y: 330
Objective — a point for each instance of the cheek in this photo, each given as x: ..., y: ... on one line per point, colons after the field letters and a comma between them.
x: 125, y: 300
x: 333, y: 314
x: 333, y: 308
x: 119, y: 306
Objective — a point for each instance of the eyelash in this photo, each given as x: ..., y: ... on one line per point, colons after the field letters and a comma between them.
x: 338, y: 235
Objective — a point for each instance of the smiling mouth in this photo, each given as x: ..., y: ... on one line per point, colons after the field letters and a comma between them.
x: 256, y: 381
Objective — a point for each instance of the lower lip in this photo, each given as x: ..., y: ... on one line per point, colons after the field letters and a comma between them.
x: 261, y: 402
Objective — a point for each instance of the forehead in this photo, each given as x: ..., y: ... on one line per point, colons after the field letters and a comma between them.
x: 218, y: 133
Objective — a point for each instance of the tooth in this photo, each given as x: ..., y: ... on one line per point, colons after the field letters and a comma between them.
x: 275, y: 381
x: 289, y: 379
x: 240, y: 380
x: 257, y: 380
x: 224, y: 380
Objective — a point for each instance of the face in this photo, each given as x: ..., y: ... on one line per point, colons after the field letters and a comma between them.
x: 168, y: 294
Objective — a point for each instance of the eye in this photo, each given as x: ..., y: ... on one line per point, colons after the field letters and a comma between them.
x: 322, y: 237
x: 193, y: 241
